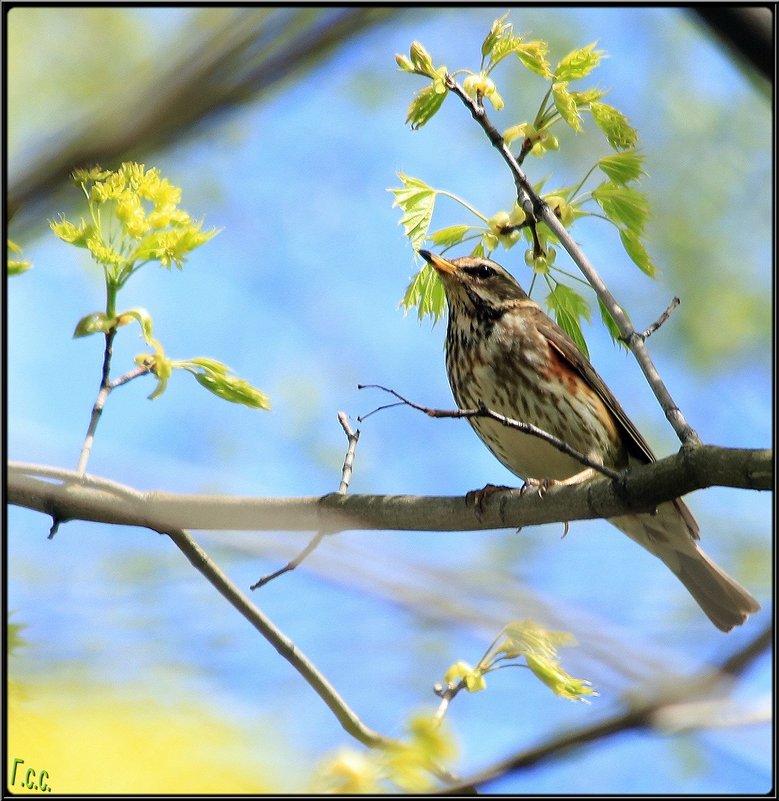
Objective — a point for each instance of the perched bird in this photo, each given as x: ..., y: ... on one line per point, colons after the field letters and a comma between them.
x: 503, y: 351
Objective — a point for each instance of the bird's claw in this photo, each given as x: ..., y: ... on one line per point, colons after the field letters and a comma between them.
x: 537, y: 485
x: 478, y: 498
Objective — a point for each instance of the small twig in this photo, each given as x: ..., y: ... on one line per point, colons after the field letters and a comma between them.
x: 661, y: 319
x: 292, y: 564
x: 483, y: 411
x: 106, y: 387
x: 346, y: 475
x: 97, y: 409
x: 124, y: 379
x: 537, y: 210
x: 352, y: 436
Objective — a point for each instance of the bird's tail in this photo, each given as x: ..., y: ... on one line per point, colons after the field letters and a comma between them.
x: 671, y: 534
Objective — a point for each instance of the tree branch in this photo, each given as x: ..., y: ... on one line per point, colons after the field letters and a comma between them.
x: 538, y: 210
x: 285, y: 647
x: 640, y: 489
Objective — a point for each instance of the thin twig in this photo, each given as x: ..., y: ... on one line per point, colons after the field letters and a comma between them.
x: 129, y: 376
x: 285, y: 647
x: 97, y: 409
x: 538, y: 210
x: 483, y: 411
x: 661, y: 319
x: 346, y: 475
x: 352, y: 437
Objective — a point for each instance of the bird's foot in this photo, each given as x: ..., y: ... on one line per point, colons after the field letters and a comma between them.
x: 537, y: 485
x: 478, y: 498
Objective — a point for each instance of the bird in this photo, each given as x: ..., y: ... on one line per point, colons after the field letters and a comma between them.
x: 503, y: 352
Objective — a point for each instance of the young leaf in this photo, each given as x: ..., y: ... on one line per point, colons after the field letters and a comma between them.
x: 143, y: 319
x: 215, y: 377
x: 578, y: 63
x: 424, y: 106
x: 94, y: 323
x: 451, y: 235
x: 569, y: 307
x: 611, y: 326
x: 426, y: 292
x: 566, y: 105
x: 533, y: 56
x: 417, y: 200
x: 634, y: 247
x: 627, y: 208
x: 614, y: 124
x: 498, y: 29
x: 559, y: 681
x: 622, y: 168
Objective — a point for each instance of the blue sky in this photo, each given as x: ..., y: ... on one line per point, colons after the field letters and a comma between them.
x: 299, y: 295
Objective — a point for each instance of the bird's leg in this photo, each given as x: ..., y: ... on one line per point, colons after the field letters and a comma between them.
x: 541, y: 485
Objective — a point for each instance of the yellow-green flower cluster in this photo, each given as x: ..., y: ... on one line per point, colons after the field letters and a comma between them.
x: 134, y: 218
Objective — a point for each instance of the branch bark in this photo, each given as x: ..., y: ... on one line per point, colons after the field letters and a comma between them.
x: 639, y: 490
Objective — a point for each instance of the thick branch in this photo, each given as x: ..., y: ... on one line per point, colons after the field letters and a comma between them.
x: 639, y: 490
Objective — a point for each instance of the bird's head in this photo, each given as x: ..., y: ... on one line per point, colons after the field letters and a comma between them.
x: 474, y: 283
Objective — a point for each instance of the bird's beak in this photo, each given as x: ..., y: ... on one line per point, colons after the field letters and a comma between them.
x: 438, y: 263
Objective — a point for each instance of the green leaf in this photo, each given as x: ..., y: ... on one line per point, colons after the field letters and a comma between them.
x: 566, y: 105
x: 533, y: 56
x: 622, y: 168
x: 215, y: 377
x: 569, y: 307
x: 143, y: 319
x: 611, y: 325
x: 451, y: 235
x: 478, y: 251
x: 426, y: 292
x: 498, y: 29
x: 614, y: 124
x: 417, y: 201
x: 420, y: 59
x: 95, y: 323
x: 627, y: 208
x: 634, y: 247
x: 578, y: 63
x: 559, y: 681
x: 424, y: 106
x: 17, y: 266
x: 587, y: 96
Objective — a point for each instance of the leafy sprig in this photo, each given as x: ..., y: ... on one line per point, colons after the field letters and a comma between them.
x: 615, y: 199
x: 133, y: 219
x: 536, y: 647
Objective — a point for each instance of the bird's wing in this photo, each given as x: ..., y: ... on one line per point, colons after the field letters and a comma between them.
x: 567, y: 348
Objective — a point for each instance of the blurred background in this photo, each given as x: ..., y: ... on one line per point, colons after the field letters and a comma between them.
x: 285, y: 127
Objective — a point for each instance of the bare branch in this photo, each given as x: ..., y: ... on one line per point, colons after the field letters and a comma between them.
x: 639, y: 490
x: 285, y: 647
x: 346, y: 474
x: 661, y: 319
x: 483, y: 411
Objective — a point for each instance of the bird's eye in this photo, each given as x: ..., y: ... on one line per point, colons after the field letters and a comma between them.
x: 482, y: 271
